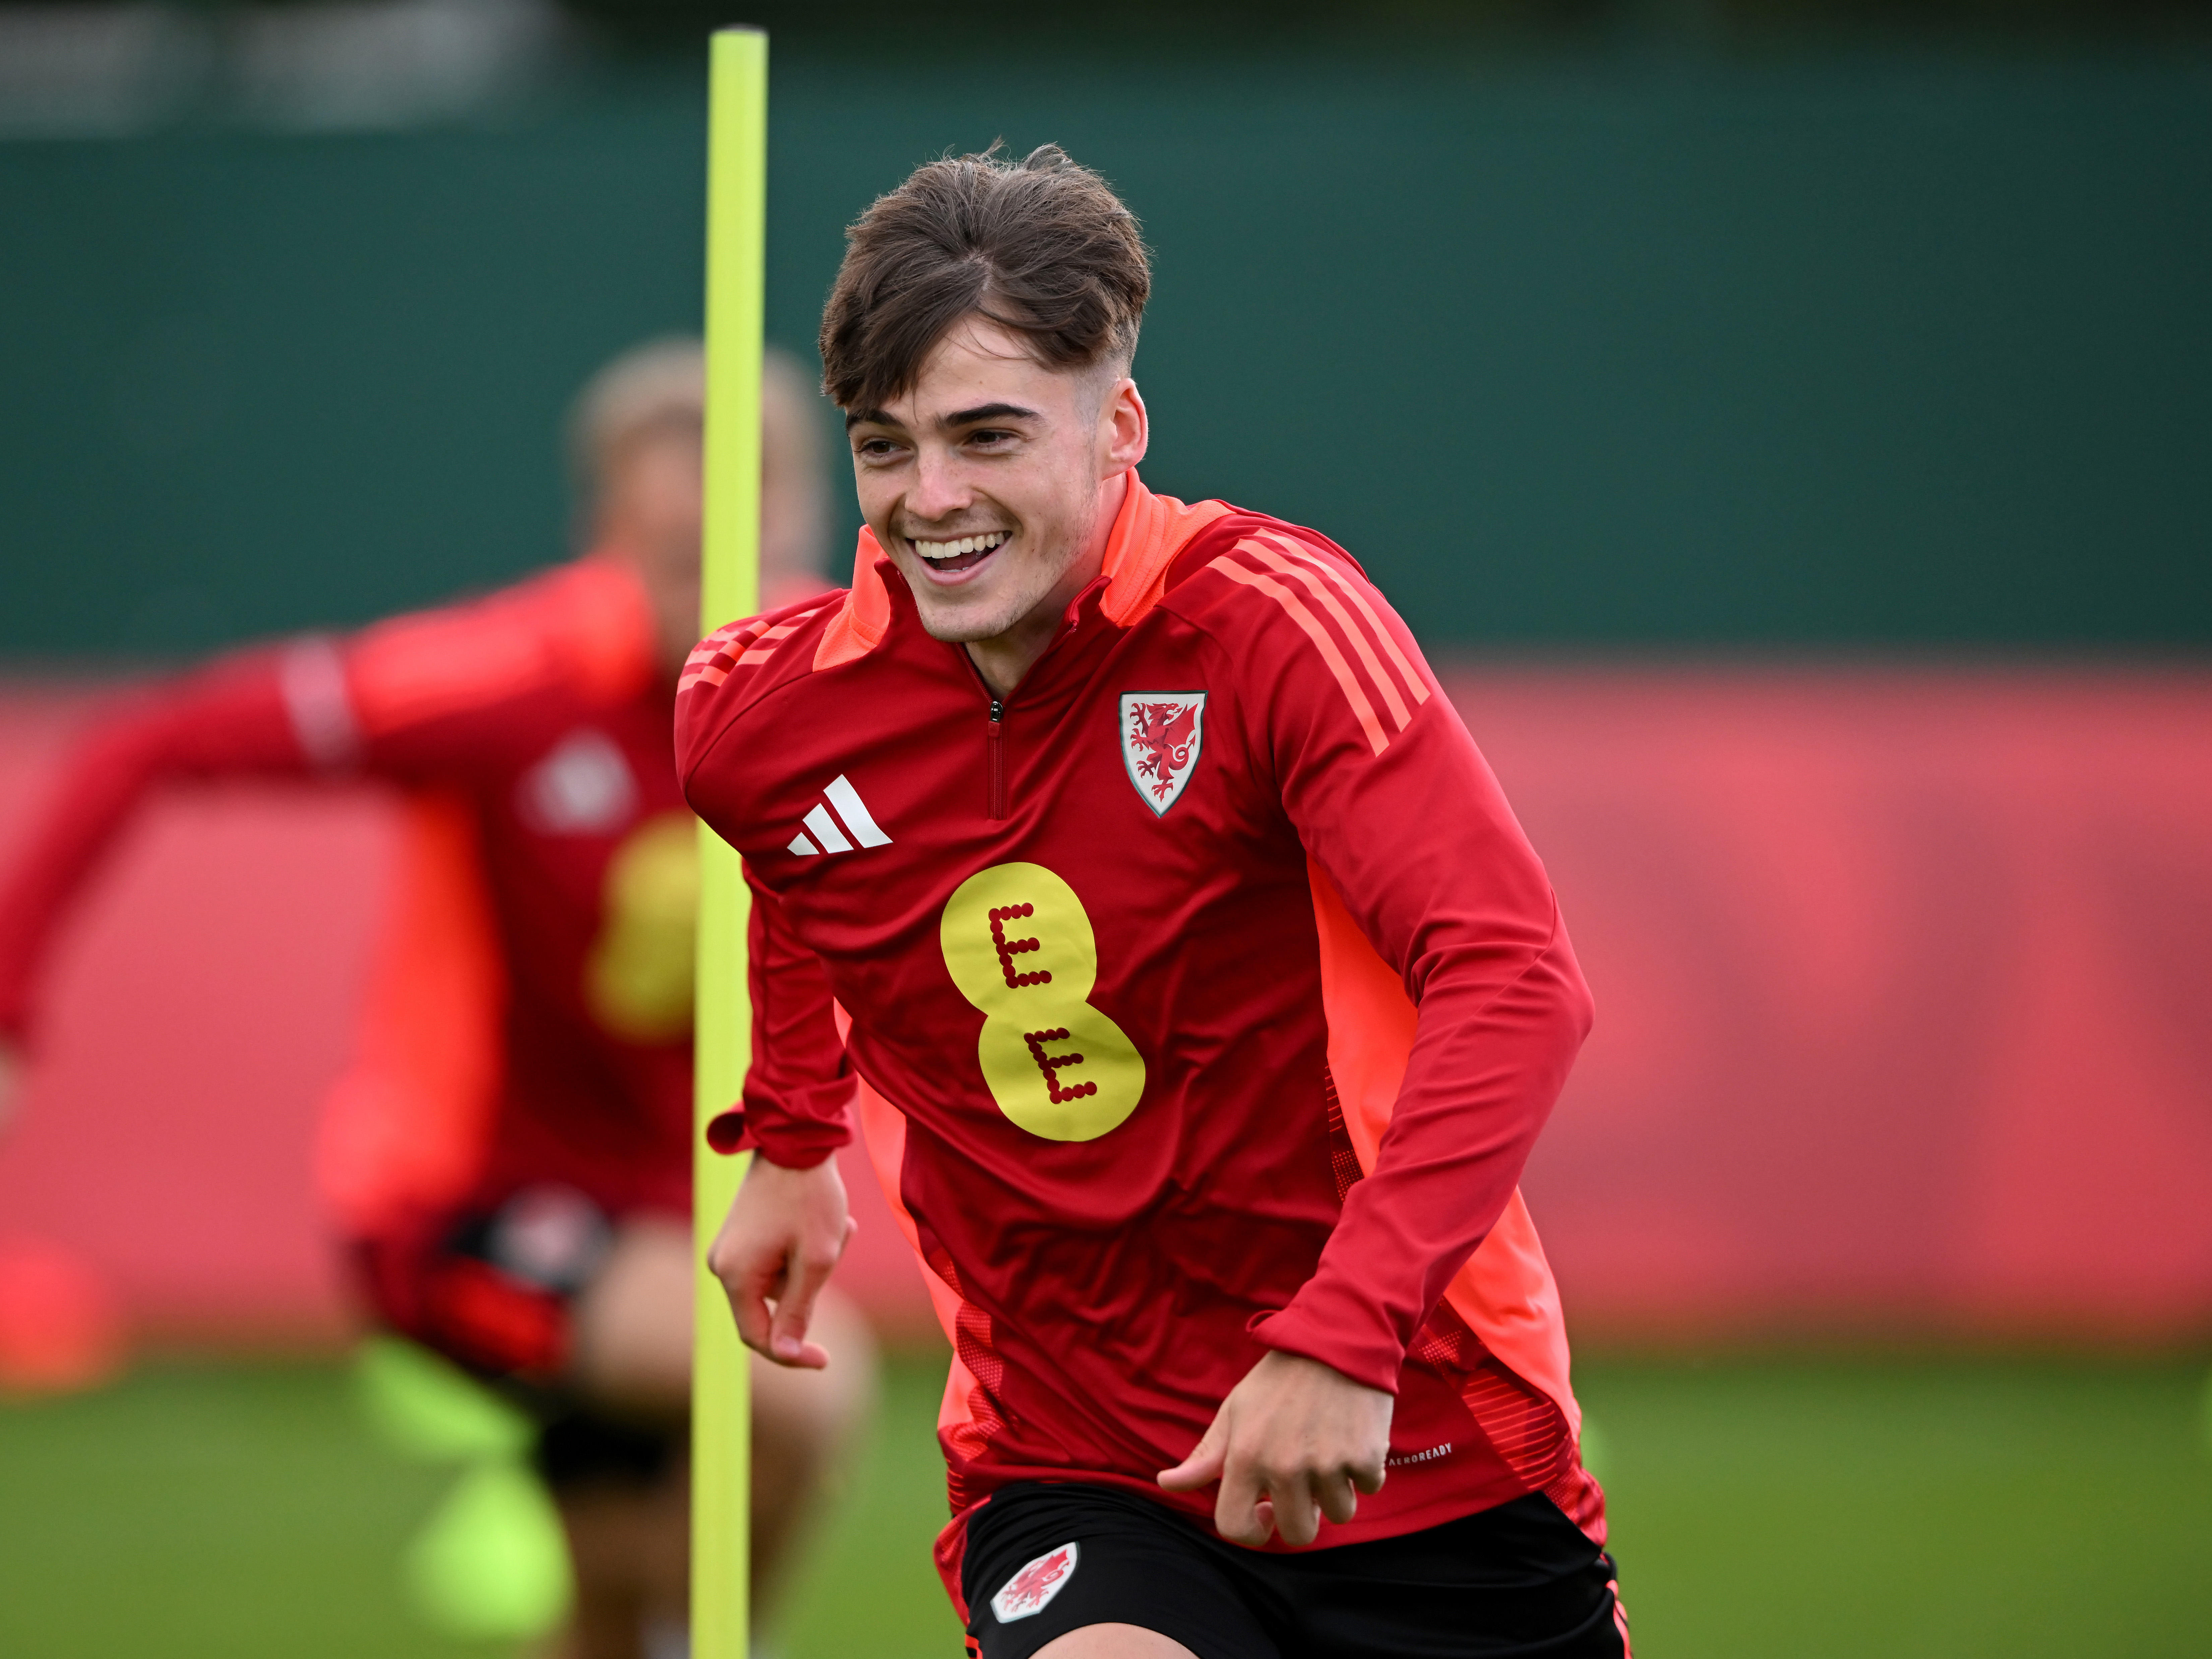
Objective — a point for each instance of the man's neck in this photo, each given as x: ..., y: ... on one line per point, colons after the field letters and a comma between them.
x: 1004, y: 658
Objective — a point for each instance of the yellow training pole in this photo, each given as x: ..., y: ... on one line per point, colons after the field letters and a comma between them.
x: 737, y: 189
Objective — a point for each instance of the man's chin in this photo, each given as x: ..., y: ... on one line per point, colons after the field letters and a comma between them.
x: 966, y: 624
x: 960, y: 629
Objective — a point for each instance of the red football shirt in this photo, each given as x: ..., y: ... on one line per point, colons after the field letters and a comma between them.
x: 1206, y: 994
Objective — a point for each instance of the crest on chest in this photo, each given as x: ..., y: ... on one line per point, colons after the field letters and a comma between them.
x: 1161, y: 735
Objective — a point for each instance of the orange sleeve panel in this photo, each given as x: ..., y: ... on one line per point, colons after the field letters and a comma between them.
x: 1505, y: 1291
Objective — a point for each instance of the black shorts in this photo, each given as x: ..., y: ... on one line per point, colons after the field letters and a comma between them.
x: 1518, y: 1580
x: 493, y: 1290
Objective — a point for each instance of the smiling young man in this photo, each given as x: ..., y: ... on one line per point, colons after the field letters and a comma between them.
x: 1205, y: 996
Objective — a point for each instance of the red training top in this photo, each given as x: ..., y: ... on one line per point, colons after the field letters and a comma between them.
x: 528, y: 1018
x: 1206, y: 995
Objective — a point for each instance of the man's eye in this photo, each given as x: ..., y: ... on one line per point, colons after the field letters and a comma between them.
x: 876, y: 449
x: 990, y: 435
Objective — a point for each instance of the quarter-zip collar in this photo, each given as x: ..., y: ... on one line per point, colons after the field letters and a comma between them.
x: 1148, y: 533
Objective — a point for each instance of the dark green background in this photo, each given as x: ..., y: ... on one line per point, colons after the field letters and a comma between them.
x: 1578, y: 351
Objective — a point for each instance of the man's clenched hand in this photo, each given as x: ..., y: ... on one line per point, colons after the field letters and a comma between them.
x: 1294, y: 1441
x: 784, y: 1234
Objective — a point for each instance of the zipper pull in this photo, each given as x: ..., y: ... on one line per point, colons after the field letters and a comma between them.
x: 994, y: 797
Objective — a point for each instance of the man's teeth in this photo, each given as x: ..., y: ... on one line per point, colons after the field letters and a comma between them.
x: 983, y: 543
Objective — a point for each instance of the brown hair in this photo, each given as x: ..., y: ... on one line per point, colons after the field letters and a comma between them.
x: 1040, y: 247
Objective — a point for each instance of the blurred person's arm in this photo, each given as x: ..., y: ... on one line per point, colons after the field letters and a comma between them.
x: 253, y: 714
x: 418, y: 700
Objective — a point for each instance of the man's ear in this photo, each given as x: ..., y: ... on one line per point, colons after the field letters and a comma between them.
x: 1129, y: 427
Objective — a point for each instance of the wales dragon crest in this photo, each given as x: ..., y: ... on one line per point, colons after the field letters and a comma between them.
x: 1162, y: 733
x: 1037, y: 1584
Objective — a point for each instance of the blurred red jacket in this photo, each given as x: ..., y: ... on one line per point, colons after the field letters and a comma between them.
x: 528, y: 1017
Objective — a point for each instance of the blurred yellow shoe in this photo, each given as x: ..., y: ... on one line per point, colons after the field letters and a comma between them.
x: 493, y: 1563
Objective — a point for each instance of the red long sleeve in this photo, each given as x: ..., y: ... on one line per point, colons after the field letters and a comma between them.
x: 1394, y: 806
x: 796, y: 1109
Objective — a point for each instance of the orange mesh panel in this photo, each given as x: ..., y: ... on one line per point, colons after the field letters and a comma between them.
x: 403, y: 1130
x: 883, y: 1128
x: 1505, y: 1291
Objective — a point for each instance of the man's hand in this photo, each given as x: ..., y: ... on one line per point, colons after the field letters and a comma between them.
x: 1293, y: 1442
x: 784, y: 1234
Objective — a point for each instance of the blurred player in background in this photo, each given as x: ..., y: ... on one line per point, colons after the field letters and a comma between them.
x: 509, y: 1158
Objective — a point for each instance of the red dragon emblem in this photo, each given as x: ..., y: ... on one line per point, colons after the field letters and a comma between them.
x: 1162, y: 733
x: 1028, y: 1590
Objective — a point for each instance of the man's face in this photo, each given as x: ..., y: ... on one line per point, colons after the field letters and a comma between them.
x: 985, y: 483
x: 649, y: 516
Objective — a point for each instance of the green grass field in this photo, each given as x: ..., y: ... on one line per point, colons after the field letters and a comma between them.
x: 1895, y: 1507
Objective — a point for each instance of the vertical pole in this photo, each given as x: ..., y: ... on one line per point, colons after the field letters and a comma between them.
x: 737, y: 189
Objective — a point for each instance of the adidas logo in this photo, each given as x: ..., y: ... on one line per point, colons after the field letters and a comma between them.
x: 832, y: 835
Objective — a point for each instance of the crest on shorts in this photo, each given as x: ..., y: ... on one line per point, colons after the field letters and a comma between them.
x: 1162, y: 733
x: 1033, y: 1588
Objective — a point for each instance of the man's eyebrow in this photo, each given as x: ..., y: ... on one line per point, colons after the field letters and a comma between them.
x: 986, y: 412
x: 956, y: 418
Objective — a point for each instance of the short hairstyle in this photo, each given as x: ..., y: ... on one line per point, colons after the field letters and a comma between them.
x: 656, y: 387
x: 1042, y: 246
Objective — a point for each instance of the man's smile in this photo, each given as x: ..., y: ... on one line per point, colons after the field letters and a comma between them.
x: 961, y: 555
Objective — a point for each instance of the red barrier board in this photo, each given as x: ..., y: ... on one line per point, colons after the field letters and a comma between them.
x: 1904, y: 983
x: 1905, y: 995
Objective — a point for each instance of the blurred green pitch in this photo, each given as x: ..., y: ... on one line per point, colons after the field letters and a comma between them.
x: 1913, y: 1507
x: 737, y: 188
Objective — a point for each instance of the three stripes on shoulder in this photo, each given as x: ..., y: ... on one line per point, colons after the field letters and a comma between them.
x: 1280, y: 562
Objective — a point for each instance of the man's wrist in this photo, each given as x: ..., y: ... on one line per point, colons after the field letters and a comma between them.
x: 797, y: 1163
x: 789, y: 1146
x: 1361, y: 1347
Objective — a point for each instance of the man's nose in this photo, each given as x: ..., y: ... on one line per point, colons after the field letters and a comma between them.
x: 938, y: 489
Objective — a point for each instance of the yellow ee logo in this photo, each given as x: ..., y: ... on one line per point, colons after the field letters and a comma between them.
x: 1019, y: 945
